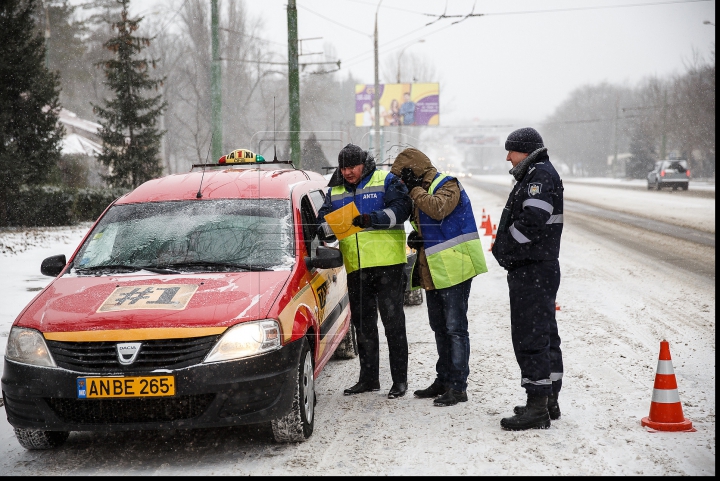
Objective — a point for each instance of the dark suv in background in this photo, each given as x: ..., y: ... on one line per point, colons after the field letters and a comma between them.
x: 669, y: 173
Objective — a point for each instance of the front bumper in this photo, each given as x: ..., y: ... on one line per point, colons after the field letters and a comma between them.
x: 247, y: 391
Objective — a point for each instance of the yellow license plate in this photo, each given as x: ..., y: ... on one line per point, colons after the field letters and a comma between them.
x: 116, y: 387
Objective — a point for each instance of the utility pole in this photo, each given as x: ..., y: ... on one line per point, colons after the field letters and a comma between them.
x: 215, y: 84
x: 376, y: 93
x: 617, y: 115
x: 664, y: 126
x: 293, y: 84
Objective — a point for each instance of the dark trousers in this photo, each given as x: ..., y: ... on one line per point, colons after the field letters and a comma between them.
x: 447, y: 311
x: 535, y: 337
x: 369, y: 290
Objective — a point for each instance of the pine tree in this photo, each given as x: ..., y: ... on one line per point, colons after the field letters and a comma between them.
x: 66, y: 50
x: 30, y: 135
x: 313, y: 157
x: 131, y: 141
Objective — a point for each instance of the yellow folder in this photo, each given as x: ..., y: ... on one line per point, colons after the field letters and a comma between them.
x: 340, y: 221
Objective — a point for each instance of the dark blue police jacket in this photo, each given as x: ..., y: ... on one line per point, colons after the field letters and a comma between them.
x: 532, y: 221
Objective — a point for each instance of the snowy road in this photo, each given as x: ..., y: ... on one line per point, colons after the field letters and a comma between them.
x: 617, y: 304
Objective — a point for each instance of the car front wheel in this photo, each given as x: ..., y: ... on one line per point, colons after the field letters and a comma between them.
x: 297, y: 425
x: 33, y: 439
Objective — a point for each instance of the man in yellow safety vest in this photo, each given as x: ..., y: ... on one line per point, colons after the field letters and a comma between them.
x: 375, y: 259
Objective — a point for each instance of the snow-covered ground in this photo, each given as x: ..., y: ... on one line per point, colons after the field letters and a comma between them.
x: 616, y: 307
x: 667, y: 206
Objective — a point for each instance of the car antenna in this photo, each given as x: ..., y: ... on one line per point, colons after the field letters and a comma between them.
x: 199, y: 192
x: 275, y: 159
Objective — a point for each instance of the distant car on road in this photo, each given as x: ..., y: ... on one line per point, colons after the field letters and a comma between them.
x: 669, y: 173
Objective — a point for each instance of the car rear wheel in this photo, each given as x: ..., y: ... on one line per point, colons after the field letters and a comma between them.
x: 657, y: 185
x: 33, y: 439
x: 348, y: 348
x: 685, y: 186
x: 297, y: 425
x: 649, y: 185
x: 413, y: 298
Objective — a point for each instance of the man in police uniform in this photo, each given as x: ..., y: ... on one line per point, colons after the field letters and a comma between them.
x: 450, y: 255
x: 375, y: 260
x: 527, y: 246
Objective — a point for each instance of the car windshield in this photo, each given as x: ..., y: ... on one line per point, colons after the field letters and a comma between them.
x: 181, y: 236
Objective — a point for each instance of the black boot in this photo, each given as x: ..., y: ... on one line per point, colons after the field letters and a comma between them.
x: 536, y: 416
x: 450, y: 398
x: 398, y: 389
x: 553, y: 407
x: 362, y: 387
x: 436, y: 389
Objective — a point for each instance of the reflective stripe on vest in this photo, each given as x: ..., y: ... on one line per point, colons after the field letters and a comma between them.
x: 452, y: 246
x: 370, y: 247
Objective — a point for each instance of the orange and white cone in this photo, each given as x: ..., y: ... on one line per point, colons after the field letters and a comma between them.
x: 488, y: 226
x: 666, y: 412
x: 494, y: 235
x: 484, y: 219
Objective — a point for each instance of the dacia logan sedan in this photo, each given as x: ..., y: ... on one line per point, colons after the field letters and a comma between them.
x: 201, y: 299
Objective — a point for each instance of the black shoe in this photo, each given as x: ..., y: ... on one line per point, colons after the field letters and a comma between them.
x: 450, y: 398
x: 362, y: 387
x: 398, y: 389
x: 436, y: 389
x: 536, y: 416
x: 553, y: 407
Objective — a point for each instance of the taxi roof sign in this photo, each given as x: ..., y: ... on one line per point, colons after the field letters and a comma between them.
x: 241, y: 156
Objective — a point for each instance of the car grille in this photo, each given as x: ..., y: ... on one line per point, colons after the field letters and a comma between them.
x: 101, y: 357
x: 126, y: 411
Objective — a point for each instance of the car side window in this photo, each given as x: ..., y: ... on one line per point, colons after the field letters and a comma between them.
x: 317, y: 197
x: 309, y: 222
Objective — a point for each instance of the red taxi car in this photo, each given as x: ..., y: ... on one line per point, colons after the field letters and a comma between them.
x: 197, y: 300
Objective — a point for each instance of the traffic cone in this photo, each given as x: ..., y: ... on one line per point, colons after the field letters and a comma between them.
x: 666, y: 412
x: 484, y: 219
x: 557, y: 306
x: 492, y: 239
x: 487, y: 225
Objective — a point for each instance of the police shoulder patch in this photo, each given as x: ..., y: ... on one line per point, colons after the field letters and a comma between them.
x: 534, y: 188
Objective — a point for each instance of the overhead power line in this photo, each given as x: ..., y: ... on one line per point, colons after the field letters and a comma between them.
x: 555, y: 10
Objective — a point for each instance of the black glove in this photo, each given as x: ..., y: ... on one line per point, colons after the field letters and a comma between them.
x: 363, y: 220
x: 415, y: 241
x: 410, y: 179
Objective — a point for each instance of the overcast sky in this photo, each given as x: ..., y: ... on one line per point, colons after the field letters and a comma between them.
x: 519, y: 61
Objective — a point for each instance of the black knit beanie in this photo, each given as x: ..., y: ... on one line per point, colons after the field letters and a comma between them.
x: 525, y: 140
x: 351, y: 155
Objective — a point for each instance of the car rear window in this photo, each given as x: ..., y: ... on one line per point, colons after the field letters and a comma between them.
x: 251, y: 232
x: 678, y: 165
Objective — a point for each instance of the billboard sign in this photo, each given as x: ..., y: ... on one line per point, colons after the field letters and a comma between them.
x: 400, y: 104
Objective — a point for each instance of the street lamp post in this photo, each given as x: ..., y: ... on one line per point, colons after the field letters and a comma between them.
x: 376, y: 94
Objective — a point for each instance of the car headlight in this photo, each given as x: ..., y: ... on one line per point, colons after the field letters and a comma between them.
x: 245, y: 340
x: 28, y: 347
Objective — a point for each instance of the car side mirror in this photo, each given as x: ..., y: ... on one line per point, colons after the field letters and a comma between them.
x: 53, y: 266
x: 325, y: 258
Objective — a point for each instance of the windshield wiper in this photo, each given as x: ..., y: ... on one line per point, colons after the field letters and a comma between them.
x: 224, y: 266
x: 109, y: 267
